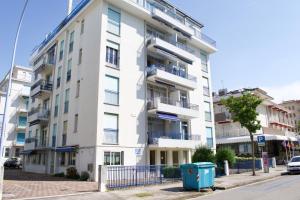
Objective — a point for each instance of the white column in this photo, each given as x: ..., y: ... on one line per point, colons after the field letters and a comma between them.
x: 169, y: 157
x: 189, y: 158
x: 157, y: 157
x: 180, y: 157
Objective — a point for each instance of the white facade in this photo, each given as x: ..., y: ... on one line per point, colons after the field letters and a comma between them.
x: 14, y: 134
x: 131, y: 91
x: 277, y: 125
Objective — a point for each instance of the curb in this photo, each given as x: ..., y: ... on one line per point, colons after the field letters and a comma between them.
x: 248, y: 182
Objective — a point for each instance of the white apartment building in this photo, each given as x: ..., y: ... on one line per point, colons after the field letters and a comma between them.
x: 14, y: 134
x: 120, y: 82
x: 277, y: 125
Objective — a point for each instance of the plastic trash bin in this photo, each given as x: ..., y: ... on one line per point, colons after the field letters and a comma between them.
x: 197, y: 176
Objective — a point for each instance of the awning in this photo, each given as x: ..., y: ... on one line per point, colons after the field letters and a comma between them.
x: 26, y: 152
x: 65, y: 149
x: 243, y: 139
x: 166, y: 116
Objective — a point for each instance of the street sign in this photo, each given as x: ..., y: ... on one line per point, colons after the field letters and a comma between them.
x: 261, y: 140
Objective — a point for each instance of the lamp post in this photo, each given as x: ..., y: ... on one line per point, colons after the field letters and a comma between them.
x: 4, y: 122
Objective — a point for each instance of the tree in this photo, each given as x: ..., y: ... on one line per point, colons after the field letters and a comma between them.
x: 243, y: 110
x: 225, y: 154
x: 203, y: 154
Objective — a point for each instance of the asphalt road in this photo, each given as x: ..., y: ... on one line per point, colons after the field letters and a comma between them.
x: 284, y: 187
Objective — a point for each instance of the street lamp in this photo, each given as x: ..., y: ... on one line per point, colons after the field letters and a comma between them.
x: 4, y: 122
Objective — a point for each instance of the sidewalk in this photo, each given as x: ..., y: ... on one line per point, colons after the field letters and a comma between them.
x: 174, y: 191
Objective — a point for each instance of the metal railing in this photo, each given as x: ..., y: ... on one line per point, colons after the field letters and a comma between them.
x: 206, y: 91
x: 42, y: 112
x: 43, y: 84
x: 153, y: 136
x: 111, y: 97
x: 172, y: 69
x: 173, y: 102
x: 138, y: 175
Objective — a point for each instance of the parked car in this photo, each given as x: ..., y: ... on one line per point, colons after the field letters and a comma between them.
x: 294, y: 165
x: 13, y: 163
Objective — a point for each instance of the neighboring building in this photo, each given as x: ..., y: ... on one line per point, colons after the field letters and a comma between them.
x: 294, y: 107
x: 16, y: 111
x: 277, y: 126
x: 120, y: 82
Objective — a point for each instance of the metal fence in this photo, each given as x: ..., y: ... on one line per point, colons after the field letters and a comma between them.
x: 131, y: 176
x: 244, y: 166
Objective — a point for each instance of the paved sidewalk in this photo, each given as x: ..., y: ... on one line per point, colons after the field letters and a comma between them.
x: 175, y: 191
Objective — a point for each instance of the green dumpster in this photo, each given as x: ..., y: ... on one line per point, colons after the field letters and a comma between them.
x: 197, y: 176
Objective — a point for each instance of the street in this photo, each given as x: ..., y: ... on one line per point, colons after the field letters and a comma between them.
x: 284, y: 187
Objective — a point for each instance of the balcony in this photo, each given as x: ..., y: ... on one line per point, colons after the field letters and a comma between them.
x: 173, y: 140
x: 169, y: 18
x: 44, y: 66
x: 172, y: 49
x: 38, y: 116
x: 222, y: 117
x: 274, y: 131
x: 181, y: 109
x: 171, y: 75
x: 41, y: 89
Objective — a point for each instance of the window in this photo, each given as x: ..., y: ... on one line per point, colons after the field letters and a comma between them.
x: 69, y: 69
x: 61, y: 50
x: 71, y: 42
x: 203, y: 58
x: 67, y: 97
x: 77, y: 88
x: 56, y: 105
x: 111, y: 85
x: 82, y: 27
x: 245, y: 148
x: 75, y: 123
x: 113, y: 158
x: 209, y: 137
x: 22, y: 121
x: 54, y: 131
x: 58, y: 77
x: 206, y: 91
x: 64, y: 135
x: 7, y: 150
x: 20, y: 138
x: 112, y: 54
x: 72, y: 158
x: 17, y: 152
x: 114, y: 19
x: 207, y: 110
x: 62, y: 158
x: 80, y: 56
x: 29, y: 134
x: 110, y: 129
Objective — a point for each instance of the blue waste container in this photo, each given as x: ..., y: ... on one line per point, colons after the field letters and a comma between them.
x: 197, y: 176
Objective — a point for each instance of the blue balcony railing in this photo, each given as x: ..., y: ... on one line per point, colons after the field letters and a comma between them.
x: 172, y: 69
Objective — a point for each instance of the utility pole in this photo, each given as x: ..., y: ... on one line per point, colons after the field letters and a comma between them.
x: 4, y: 122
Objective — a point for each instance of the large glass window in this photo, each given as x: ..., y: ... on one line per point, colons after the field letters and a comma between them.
x: 209, y: 137
x: 67, y: 97
x: 61, y: 50
x: 69, y: 69
x: 114, y: 19
x: 75, y: 123
x: 58, y: 76
x: 203, y: 58
x: 82, y: 27
x: 56, y: 105
x: 205, y: 82
x: 71, y: 42
x: 112, y: 53
x: 113, y: 158
x: 207, y: 111
x: 22, y: 121
x: 54, y: 132
x: 110, y: 129
x: 111, y: 85
x: 77, y: 89
x: 80, y: 56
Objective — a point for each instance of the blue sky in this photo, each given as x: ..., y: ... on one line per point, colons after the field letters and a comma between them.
x: 258, y: 40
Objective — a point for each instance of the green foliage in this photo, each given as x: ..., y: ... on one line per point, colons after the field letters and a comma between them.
x: 72, y: 173
x: 203, y: 154
x: 84, y: 176
x: 243, y: 110
x: 225, y: 154
x: 171, y: 172
x: 59, y: 174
